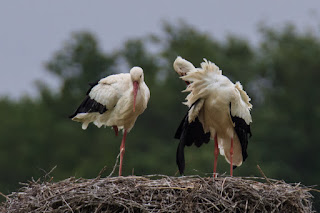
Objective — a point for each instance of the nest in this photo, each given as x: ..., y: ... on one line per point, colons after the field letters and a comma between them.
x: 159, y: 193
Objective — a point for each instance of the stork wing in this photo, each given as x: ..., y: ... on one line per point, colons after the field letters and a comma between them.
x: 110, y: 89
x: 243, y: 132
x: 201, y: 81
x: 240, y: 105
x: 89, y: 105
x: 240, y: 114
x: 189, y: 132
x: 102, y: 95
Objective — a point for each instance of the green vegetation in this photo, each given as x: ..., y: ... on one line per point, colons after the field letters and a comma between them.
x: 280, y: 74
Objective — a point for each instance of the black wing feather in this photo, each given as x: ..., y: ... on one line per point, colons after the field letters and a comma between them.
x: 89, y: 105
x: 243, y: 132
x: 189, y: 133
x: 93, y: 84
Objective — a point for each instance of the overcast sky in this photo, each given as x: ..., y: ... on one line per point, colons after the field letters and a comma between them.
x: 31, y: 31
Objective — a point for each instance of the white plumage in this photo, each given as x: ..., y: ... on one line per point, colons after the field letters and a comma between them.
x: 117, y: 101
x: 221, y: 107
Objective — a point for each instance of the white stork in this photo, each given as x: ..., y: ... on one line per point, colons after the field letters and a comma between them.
x: 117, y: 101
x: 218, y: 109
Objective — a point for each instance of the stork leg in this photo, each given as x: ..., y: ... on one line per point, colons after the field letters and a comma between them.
x: 231, y: 156
x: 115, y: 128
x: 122, y: 149
x: 216, y: 153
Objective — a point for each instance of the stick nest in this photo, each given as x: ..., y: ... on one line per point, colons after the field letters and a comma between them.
x: 159, y: 193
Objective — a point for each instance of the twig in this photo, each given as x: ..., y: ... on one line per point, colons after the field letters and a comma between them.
x: 101, y: 171
x: 46, y: 173
x: 316, y: 190
x: 67, y: 204
x: 168, y: 187
x: 212, y: 204
x: 50, y: 171
x: 115, y: 165
x: 265, y: 177
x: 246, y: 207
x: 5, y: 196
x: 224, y: 180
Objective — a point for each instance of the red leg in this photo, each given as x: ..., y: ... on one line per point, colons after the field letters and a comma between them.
x: 115, y: 128
x: 122, y: 149
x: 231, y: 156
x: 216, y: 153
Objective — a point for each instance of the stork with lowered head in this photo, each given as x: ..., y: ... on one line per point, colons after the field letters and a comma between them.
x: 116, y: 101
x: 218, y: 109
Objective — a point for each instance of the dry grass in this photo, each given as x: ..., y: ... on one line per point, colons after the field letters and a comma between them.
x: 159, y: 193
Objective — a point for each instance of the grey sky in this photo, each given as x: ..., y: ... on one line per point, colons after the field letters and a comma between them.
x: 31, y: 31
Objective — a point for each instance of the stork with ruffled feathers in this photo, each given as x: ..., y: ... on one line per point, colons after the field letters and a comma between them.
x: 218, y: 109
x: 117, y: 101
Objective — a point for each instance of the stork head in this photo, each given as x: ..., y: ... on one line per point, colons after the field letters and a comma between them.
x: 182, y: 66
x: 136, y: 77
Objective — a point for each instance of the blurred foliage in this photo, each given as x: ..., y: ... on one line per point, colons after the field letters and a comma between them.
x: 280, y: 75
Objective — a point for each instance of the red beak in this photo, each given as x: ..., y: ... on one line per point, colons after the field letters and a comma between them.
x: 135, y: 91
x: 183, y: 74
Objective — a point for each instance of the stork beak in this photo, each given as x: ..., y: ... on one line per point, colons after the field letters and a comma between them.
x: 183, y: 74
x: 135, y: 91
